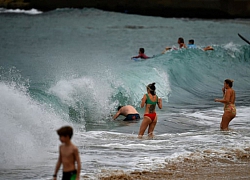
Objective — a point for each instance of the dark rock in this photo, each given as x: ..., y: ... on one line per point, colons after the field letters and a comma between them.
x: 165, y: 8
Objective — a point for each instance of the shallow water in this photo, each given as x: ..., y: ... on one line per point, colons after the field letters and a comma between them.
x: 73, y: 67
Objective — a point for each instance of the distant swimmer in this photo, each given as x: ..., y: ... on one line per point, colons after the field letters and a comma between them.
x: 181, y: 45
x: 128, y: 111
x: 191, y: 44
x: 150, y: 117
x: 141, y: 54
x: 229, y: 106
x: 208, y: 48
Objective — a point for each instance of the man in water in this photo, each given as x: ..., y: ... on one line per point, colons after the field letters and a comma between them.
x: 181, y: 45
x: 191, y: 44
x: 128, y: 111
x: 141, y: 54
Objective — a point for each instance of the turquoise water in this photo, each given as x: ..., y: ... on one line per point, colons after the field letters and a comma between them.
x: 73, y: 67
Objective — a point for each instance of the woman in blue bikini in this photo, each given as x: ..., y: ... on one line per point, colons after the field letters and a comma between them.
x: 150, y: 116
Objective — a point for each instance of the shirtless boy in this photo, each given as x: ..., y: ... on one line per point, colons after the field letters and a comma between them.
x: 68, y: 156
x: 128, y: 111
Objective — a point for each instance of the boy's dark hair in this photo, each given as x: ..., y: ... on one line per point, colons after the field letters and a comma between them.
x: 191, y: 41
x: 119, y: 108
x: 65, y: 131
x: 142, y: 50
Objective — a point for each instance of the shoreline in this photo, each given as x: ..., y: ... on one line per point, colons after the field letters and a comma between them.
x: 230, y: 166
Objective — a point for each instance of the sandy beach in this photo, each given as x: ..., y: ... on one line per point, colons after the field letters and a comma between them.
x: 235, y: 165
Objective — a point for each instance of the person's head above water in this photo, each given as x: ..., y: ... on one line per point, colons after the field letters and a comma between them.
x: 191, y: 41
x: 151, y: 88
x: 180, y: 40
x: 141, y: 50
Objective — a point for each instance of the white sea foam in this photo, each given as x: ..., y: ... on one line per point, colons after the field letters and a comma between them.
x: 21, y: 11
x: 27, y: 127
x: 85, y: 93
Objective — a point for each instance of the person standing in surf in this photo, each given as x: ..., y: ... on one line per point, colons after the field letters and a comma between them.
x: 68, y: 156
x: 150, y: 117
x: 229, y: 104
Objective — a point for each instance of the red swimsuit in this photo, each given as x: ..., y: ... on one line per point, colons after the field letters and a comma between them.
x: 151, y: 116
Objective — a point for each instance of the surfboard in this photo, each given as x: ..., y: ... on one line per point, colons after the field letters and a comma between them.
x: 244, y: 39
x: 137, y: 59
x: 140, y: 59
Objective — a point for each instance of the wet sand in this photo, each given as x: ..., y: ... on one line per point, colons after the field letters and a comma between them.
x: 209, y: 166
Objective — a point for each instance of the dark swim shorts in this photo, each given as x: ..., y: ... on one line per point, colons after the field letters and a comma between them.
x: 131, y: 117
x: 71, y: 175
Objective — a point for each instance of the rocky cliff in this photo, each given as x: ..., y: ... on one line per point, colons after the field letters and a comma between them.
x: 164, y: 8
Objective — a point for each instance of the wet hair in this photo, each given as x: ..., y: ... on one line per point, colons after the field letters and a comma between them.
x: 65, y: 131
x: 151, y: 88
x: 142, y: 50
x: 181, y: 40
x: 119, y: 108
x: 229, y: 82
x: 191, y: 41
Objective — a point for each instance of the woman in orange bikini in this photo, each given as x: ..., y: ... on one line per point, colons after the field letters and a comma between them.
x: 150, y: 116
x: 229, y: 106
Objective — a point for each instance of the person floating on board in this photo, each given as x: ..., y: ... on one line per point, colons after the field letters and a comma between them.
x: 228, y: 101
x: 150, y: 116
x: 181, y: 45
x: 68, y: 156
x: 192, y: 45
x: 128, y: 111
x: 141, y: 54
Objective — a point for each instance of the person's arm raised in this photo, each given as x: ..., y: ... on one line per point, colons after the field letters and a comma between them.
x: 159, y: 103
x: 226, y: 98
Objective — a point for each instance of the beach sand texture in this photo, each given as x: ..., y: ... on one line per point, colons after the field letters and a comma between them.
x: 235, y: 165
